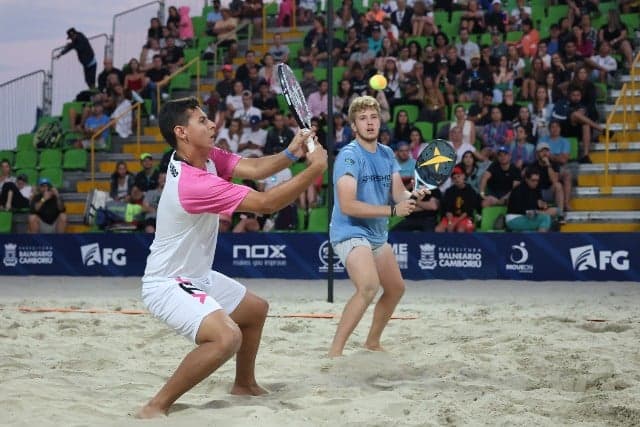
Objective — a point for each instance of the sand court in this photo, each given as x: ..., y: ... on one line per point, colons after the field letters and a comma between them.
x: 477, y: 353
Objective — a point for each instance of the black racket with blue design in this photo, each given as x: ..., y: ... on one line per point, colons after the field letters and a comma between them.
x: 434, y: 164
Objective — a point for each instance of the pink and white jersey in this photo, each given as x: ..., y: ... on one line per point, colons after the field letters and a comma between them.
x: 187, y: 218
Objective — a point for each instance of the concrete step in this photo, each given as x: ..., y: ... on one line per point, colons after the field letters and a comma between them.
x: 77, y: 228
x: 602, y: 203
x: 86, y: 185
x: 153, y: 148
x: 600, y: 227
x: 75, y: 208
x: 109, y: 166
x: 152, y: 131
x: 615, y: 156
x: 604, y: 216
x: 598, y: 180
x: 613, y: 146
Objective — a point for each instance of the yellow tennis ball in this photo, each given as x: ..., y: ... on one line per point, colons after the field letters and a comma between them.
x: 378, y: 82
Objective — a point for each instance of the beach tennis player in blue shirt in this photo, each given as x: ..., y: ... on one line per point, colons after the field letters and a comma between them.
x: 368, y: 190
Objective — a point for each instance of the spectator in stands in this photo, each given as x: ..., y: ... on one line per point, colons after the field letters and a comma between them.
x: 269, y: 74
x: 185, y: 26
x: 47, y: 210
x: 467, y: 127
x: 390, y: 31
x: 459, y: 205
x: 343, y: 133
x: 16, y: 195
x: 616, y: 34
x: 496, y: 18
x: 278, y: 136
x: 543, y: 54
x: 603, y: 64
x: 401, y: 18
x: 155, y: 29
x: 498, y: 47
x: 433, y: 104
x: 96, y: 120
x: 108, y: 69
x: 216, y: 110
x: 136, y: 80
x: 121, y: 182
x: 526, y: 211
x: 401, y: 127
x: 472, y: 18
x: 461, y: 147
x: 467, y: 49
x: 422, y: 23
x: 173, y: 18
x: 480, y: 113
x: 149, y: 51
x: 242, y: 73
x: 522, y: 151
x: 224, y: 86
x: 502, y: 80
x: 416, y: 142
x: 392, y: 74
x: 150, y: 204
x: 473, y: 170
x: 499, y: 179
x: 158, y: 77
x: 278, y: 50
x: 540, y: 110
x: 358, y: 79
x: 253, y: 139
x: 553, y: 41
x: 5, y: 173
x: 474, y: 80
x: 147, y: 178
x: 254, y: 80
x: 213, y: 16
x: 247, y: 110
x: 267, y: 103
x: 306, y: 11
x: 317, y: 42
x: 318, y: 100
x: 495, y: 134
x: 225, y: 28
x: 519, y: 13
x: 425, y: 215
x: 364, y: 56
x: 309, y: 84
x: 86, y: 56
x: 233, y: 101
x: 406, y: 163
x: 122, y: 119
x: 523, y: 119
x: 584, y: 46
x: 529, y: 43
x: 232, y: 134
x: 174, y: 57
x: 560, y: 152
x: 508, y: 106
x: 550, y: 183
x: 571, y: 59
x: 587, y: 89
x: 575, y: 122
x: 535, y: 77
x: 581, y: 8
x: 343, y: 98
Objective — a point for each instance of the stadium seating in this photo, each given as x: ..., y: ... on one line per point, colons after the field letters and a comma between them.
x: 75, y: 159
x: 54, y: 175
x: 6, y: 221
x: 50, y: 158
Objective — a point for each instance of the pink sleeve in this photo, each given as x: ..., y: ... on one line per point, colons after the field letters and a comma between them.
x: 202, y: 192
x: 225, y: 162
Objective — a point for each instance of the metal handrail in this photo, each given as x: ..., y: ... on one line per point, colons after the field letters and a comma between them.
x: 24, y: 76
x: 138, y: 107
x: 626, y: 105
x: 168, y: 79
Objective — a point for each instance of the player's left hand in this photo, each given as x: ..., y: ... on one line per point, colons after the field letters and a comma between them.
x: 298, y: 146
x: 420, y: 193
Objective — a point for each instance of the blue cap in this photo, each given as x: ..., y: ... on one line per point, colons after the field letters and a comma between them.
x: 43, y: 181
x: 254, y: 120
x: 503, y: 149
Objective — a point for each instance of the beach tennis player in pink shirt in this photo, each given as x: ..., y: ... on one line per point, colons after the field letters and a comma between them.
x: 179, y: 287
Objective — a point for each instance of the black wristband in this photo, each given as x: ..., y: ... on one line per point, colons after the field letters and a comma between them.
x: 393, y: 210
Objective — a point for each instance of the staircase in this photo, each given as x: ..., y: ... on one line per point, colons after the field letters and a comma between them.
x: 613, y: 206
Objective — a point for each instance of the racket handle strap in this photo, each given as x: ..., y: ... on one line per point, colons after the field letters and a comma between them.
x: 290, y: 155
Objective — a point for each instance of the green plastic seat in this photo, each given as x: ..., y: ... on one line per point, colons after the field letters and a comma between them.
x: 489, y: 216
x: 7, y: 155
x: 181, y: 81
x: 66, y: 107
x: 426, y: 129
x: 318, y: 220
x: 50, y: 158
x: 25, y: 142
x: 573, y: 148
x: 199, y: 25
x: 75, y: 159
x: 54, y: 175
x: 26, y: 159
x: 6, y: 221
x: 411, y: 109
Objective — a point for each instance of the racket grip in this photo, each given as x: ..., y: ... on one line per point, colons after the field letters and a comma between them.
x: 311, y: 145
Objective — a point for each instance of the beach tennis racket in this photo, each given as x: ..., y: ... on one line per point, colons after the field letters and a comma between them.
x: 295, y: 100
x: 434, y: 165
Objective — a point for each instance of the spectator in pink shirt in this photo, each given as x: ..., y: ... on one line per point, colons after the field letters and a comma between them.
x: 318, y: 102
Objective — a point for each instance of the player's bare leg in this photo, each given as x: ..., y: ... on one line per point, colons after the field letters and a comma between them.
x: 219, y: 338
x: 250, y: 316
x: 362, y: 272
x: 393, y: 289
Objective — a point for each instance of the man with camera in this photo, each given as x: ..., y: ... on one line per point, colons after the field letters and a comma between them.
x: 47, y: 210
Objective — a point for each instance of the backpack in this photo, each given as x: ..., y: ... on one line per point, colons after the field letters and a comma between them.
x: 49, y: 135
x: 119, y: 215
x: 96, y: 200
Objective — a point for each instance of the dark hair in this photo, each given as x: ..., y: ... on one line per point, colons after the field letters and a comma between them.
x: 530, y: 171
x: 175, y: 113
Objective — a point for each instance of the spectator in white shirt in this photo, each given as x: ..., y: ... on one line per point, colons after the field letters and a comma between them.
x: 253, y: 139
x: 603, y: 64
x: 247, y: 110
x: 467, y: 48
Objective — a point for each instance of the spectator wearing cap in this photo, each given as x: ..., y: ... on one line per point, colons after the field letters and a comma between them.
x: 47, y: 210
x: 499, y: 179
x: 518, y: 14
x: 147, y: 178
x: 247, y: 111
x: 526, y: 210
x: 16, y: 195
x: 459, y: 205
x: 549, y: 171
x: 496, y: 18
x: 253, y: 139
x: 467, y: 49
x: 224, y: 86
x: 79, y: 42
x: 560, y: 151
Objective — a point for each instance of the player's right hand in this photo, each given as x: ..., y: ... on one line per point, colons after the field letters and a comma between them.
x: 297, y: 146
x: 405, y: 207
x: 318, y: 157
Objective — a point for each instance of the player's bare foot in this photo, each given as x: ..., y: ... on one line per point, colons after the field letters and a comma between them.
x: 374, y: 347
x: 248, y: 390
x: 148, y: 411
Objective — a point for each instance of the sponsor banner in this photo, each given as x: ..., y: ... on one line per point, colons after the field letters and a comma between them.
x: 420, y: 256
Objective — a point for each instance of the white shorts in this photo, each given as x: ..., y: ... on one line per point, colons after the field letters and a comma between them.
x: 183, y: 303
x: 344, y: 248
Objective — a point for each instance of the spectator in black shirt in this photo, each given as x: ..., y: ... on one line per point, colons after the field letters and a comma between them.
x: 526, y: 210
x: 278, y: 137
x: 242, y: 73
x: 108, y: 69
x: 425, y: 215
x: 459, y: 205
x: 86, y: 56
x: 499, y: 179
x: 549, y: 185
x: 496, y: 18
x: 224, y: 87
x: 480, y: 113
x: 47, y: 210
x: 147, y: 178
x: 474, y: 81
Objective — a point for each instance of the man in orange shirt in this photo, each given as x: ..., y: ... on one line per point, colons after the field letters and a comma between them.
x: 529, y: 44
